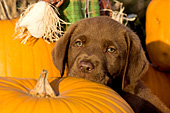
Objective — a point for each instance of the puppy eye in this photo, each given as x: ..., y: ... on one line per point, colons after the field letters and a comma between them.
x: 111, y: 49
x: 79, y: 43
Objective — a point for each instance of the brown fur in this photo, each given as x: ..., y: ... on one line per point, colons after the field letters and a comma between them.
x: 120, y: 69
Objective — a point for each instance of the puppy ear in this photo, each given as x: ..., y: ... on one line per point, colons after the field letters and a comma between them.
x: 136, y: 61
x: 59, y: 52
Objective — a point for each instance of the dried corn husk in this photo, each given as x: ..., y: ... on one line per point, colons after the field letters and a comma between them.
x: 39, y: 20
x: 119, y: 15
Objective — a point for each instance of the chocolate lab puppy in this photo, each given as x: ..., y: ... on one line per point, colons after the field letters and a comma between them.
x: 104, y: 51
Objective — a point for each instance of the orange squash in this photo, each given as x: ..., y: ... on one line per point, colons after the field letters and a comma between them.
x: 19, y: 60
x: 158, y: 34
x: 158, y: 83
x: 72, y: 95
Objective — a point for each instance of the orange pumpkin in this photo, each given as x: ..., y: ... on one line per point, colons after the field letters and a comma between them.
x: 158, y: 34
x: 19, y: 60
x: 158, y: 83
x: 75, y: 95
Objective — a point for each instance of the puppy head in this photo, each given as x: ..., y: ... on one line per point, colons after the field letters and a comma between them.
x: 99, y: 49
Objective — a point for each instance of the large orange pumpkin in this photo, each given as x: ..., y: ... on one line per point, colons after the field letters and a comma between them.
x: 75, y: 95
x: 158, y: 33
x: 19, y: 60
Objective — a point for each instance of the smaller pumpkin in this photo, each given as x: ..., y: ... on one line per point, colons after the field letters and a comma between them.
x: 61, y: 95
x: 23, y: 61
x: 158, y: 34
x: 158, y: 83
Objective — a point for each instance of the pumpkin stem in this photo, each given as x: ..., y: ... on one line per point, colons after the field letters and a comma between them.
x: 43, y: 88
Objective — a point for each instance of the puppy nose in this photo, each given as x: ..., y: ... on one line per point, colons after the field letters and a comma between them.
x: 85, y: 66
